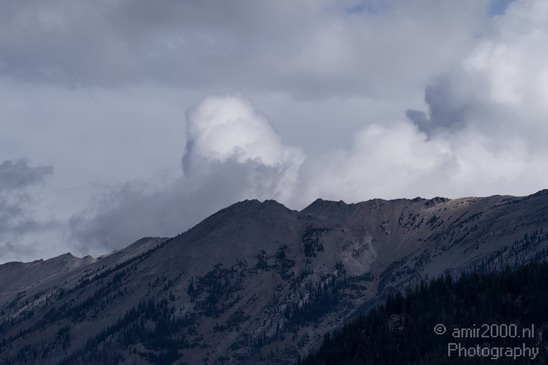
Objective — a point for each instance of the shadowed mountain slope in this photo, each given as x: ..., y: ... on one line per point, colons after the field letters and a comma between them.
x: 502, y: 313
x: 255, y: 282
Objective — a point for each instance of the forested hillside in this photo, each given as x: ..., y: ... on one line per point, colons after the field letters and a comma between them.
x: 500, y: 316
x: 258, y: 283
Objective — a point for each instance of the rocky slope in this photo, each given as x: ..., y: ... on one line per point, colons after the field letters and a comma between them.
x: 255, y: 282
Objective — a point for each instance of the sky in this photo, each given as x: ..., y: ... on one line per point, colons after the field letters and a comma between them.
x: 128, y: 118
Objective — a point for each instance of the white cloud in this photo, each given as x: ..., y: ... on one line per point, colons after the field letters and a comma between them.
x: 512, y: 61
x: 223, y: 128
x: 482, y: 134
x: 99, y: 91
x: 232, y: 153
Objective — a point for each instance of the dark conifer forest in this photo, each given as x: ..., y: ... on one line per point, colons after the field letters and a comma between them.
x: 495, y: 317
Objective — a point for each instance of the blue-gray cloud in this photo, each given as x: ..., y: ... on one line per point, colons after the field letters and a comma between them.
x: 236, y: 44
x: 17, y: 203
x: 447, y: 107
x: 18, y: 174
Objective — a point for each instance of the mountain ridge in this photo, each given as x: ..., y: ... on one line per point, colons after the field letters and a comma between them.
x: 257, y: 282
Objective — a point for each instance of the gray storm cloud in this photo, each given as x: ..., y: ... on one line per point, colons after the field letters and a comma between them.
x: 17, y: 175
x: 307, y: 49
x: 17, y: 178
x: 448, y: 107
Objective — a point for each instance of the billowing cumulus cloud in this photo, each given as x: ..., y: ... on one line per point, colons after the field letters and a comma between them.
x: 500, y: 86
x: 481, y: 133
x: 232, y: 153
x: 343, y: 100
x: 224, y: 128
x: 402, y: 161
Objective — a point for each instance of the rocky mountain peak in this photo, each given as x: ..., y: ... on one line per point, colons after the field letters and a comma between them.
x: 256, y: 282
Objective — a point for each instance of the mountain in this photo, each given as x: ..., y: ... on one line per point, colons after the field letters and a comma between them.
x: 255, y: 283
x: 446, y: 321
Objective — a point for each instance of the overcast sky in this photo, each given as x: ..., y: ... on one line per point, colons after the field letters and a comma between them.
x: 128, y: 118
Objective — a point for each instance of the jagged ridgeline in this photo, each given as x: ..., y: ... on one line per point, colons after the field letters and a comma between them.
x: 499, y: 317
x: 255, y: 283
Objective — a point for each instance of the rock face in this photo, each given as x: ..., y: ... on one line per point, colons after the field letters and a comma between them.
x: 255, y: 283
